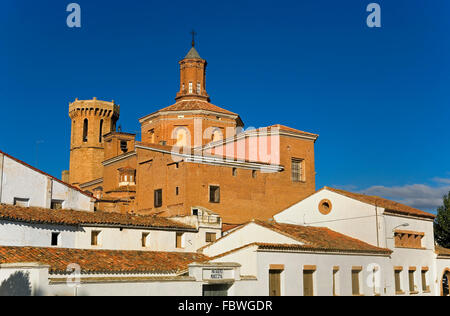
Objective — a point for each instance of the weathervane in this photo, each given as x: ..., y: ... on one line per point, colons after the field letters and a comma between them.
x: 193, y: 37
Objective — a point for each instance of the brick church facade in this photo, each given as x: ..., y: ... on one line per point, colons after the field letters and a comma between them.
x: 192, y: 154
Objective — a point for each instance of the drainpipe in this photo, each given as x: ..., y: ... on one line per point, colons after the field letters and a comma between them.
x: 376, y: 217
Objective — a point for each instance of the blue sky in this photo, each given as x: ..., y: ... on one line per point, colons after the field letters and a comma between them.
x: 378, y: 97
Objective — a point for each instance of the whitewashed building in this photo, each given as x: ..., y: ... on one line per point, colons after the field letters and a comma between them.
x: 24, y: 185
x: 408, y: 232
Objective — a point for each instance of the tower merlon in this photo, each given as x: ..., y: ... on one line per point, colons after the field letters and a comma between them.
x: 94, y: 107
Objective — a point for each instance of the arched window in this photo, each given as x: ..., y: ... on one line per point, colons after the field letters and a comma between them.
x: 181, y: 137
x: 100, y: 135
x: 85, y: 130
x: 216, y: 135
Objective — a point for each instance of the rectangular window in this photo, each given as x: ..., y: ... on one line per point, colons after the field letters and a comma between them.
x: 22, y: 202
x: 95, y: 238
x: 214, y: 194
x: 55, y: 239
x: 144, y: 239
x: 308, y: 282
x: 179, y: 240
x: 234, y: 172
x: 411, y: 274
x: 254, y: 174
x: 177, y: 191
x: 199, y: 88
x: 425, y: 286
x: 275, y: 282
x: 158, y: 198
x: 56, y: 205
x: 355, y: 281
x: 191, y: 88
x: 297, y: 170
x: 211, y: 237
x: 398, y: 284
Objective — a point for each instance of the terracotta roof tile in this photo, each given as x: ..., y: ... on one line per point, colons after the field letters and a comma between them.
x: 290, y: 129
x: 189, y: 105
x: 68, y: 217
x: 98, y: 261
x: 388, y: 205
x: 442, y: 251
x: 322, y: 238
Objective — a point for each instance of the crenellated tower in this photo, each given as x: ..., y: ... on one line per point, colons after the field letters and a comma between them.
x: 91, y: 119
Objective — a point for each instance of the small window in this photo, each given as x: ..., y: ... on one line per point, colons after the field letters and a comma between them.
x: 100, y: 134
x: 56, y: 205
x: 254, y: 174
x: 355, y: 281
x: 425, y: 286
x: 214, y: 194
x: 22, y: 202
x: 398, y: 284
x: 144, y: 239
x: 177, y: 191
x: 199, y: 88
x: 179, y: 240
x: 95, y: 238
x: 191, y: 89
x: 195, y: 212
x: 411, y: 275
x: 234, y: 172
x: 85, y: 130
x: 124, y: 146
x: 211, y: 237
x: 297, y: 170
x: 55, y: 239
x: 158, y: 198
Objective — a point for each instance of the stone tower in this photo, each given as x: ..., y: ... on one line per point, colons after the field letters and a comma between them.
x: 91, y: 119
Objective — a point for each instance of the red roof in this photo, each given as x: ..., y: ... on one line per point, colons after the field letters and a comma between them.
x: 322, y: 238
x: 102, y: 261
x: 312, y: 238
x: 388, y: 205
x: 46, y: 174
x: 74, y: 218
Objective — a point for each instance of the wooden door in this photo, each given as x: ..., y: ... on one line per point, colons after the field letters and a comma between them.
x: 275, y: 282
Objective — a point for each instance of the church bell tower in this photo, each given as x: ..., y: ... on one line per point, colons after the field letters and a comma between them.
x: 192, y: 76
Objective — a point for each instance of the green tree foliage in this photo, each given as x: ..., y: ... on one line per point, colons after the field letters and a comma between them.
x: 442, y: 223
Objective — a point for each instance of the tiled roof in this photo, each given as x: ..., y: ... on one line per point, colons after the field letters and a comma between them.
x: 193, y: 54
x: 45, y: 174
x: 322, y: 238
x: 442, y: 251
x: 227, y: 227
x: 73, y: 218
x: 290, y: 129
x: 102, y: 261
x: 388, y: 205
x: 190, y: 105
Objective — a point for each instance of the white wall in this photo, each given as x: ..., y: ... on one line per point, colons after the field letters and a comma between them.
x: 294, y: 262
x: 348, y: 216
x: 248, y: 234
x: 17, y: 234
x: 20, y: 181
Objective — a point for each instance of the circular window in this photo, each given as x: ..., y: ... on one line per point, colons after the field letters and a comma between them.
x: 325, y: 207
